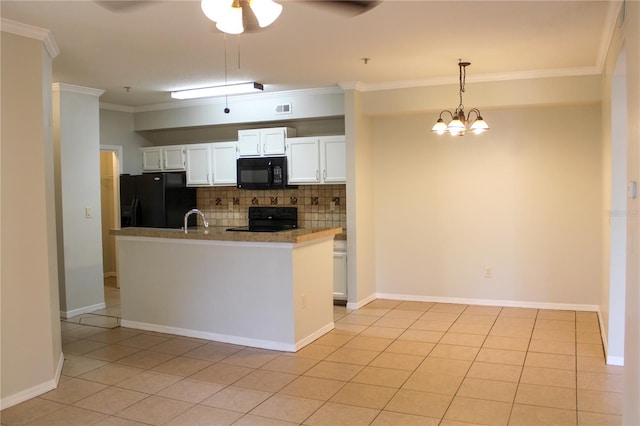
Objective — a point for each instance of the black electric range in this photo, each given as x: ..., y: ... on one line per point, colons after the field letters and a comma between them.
x: 270, y: 219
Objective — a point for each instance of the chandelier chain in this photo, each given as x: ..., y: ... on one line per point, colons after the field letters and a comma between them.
x: 462, y: 78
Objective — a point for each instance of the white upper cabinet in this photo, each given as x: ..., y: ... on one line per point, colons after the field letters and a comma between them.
x: 211, y: 164
x: 263, y: 142
x: 174, y: 158
x: 317, y: 160
x: 249, y: 143
x: 199, y: 165
x: 224, y: 163
x: 303, y: 160
x: 167, y: 158
x: 151, y: 159
x: 333, y: 159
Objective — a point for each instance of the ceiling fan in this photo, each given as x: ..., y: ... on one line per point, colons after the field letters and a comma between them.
x: 248, y: 15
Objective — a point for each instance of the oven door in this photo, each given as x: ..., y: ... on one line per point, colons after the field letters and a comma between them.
x: 254, y: 173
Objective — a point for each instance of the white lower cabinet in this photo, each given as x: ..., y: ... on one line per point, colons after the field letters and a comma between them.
x: 340, y: 270
x: 211, y: 164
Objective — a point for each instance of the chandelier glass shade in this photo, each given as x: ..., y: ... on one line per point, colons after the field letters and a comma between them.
x: 229, y: 14
x: 460, y: 123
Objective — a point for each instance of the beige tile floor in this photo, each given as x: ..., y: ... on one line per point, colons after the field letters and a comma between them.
x: 389, y: 363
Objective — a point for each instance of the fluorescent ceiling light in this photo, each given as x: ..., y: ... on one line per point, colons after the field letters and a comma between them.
x: 230, y: 89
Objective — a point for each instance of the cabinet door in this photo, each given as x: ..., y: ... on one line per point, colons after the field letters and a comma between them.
x: 151, y: 159
x: 224, y: 163
x: 334, y: 163
x: 303, y: 161
x: 199, y: 165
x: 174, y: 158
x: 249, y: 143
x: 340, y: 276
x: 273, y: 141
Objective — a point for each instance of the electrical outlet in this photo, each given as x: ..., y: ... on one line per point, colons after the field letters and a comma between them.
x: 304, y: 301
x: 332, y: 206
x: 230, y: 206
x: 488, y: 272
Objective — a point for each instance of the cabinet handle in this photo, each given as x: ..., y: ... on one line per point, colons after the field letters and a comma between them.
x: 208, y: 181
x: 324, y: 174
x: 258, y: 148
x: 317, y: 174
x: 159, y: 164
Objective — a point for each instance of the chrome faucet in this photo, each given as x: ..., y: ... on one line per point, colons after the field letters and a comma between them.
x: 189, y: 213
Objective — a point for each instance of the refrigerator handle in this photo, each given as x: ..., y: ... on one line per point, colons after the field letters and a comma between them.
x: 135, y: 212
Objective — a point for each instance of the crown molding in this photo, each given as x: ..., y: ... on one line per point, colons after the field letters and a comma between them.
x: 615, y: 15
x: 64, y: 87
x: 512, y: 76
x: 116, y: 107
x: 352, y: 85
x: 29, y: 31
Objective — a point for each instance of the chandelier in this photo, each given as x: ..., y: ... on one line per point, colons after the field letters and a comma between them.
x: 458, y: 124
x: 230, y: 17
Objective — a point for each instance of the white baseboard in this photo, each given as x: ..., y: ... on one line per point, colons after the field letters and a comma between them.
x: 615, y: 360
x: 609, y: 359
x: 236, y: 340
x: 34, y: 391
x: 487, y: 302
x: 84, y: 310
x: 359, y: 304
x: 314, y: 336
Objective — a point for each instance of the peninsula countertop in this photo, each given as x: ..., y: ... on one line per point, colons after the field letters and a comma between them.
x: 219, y: 233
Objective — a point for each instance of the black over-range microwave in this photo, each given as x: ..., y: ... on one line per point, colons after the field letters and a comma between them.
x: 262, y: 173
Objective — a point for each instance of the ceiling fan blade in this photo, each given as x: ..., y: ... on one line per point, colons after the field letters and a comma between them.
x: 122, y: 5
x: 348, y: 7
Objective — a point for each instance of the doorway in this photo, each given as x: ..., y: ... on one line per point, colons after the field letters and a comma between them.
x: 618, y: 216
x: 110, y: 160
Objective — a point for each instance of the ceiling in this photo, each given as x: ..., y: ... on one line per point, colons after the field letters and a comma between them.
x: 154, y: 47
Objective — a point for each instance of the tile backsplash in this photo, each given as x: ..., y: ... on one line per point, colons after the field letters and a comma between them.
x: 228, y: 206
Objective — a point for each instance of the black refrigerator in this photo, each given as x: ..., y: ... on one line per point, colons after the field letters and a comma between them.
x: 156, y: 200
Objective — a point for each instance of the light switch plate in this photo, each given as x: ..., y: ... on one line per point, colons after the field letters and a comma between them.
x: 632, y: 189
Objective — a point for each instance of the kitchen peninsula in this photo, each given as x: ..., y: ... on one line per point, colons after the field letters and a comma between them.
x: 269, y: 290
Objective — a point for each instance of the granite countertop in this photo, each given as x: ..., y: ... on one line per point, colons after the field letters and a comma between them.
x: 219, y: 233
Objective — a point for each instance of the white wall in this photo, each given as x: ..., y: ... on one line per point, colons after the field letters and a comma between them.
x: 631, y: 32
x: 77, y: 143
x: 523, y: 200
x: 31, y: 354
x: 314, y: 103
x: 623, y: 71
x: 116, y: 129
x: 360, y: 203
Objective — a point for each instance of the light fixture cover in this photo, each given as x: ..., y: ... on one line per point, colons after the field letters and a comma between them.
x: 440, y: 127
x: 206, y: 92
x: 266, y: 11
x: 215, y: 9
x: 479, y: 126
x: 228, y: 13
x: 231, y: 21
